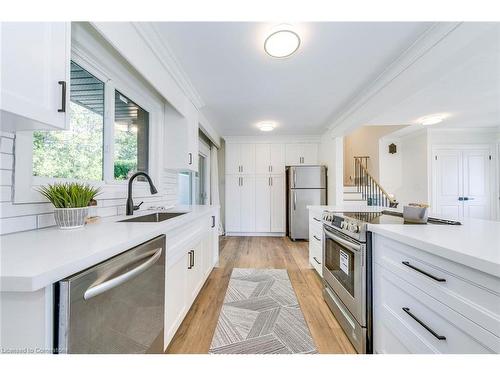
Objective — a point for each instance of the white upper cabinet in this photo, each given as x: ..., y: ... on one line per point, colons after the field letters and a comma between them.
x: 240, y: 158
x: 301, y: 154
x: 277, y: 158
x: 181, y: 139
x: 35, y: 71
x: 269, y: 158
x: 262, y: 158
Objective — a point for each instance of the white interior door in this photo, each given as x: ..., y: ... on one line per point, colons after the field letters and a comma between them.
x: 463, y: 182
x: 247, y: 204
x: 233, y: 203
x: 477, y: 183
x: 448, y: 183
x: 263, y: 206
x: 262, y: 158
x: 278, y: 203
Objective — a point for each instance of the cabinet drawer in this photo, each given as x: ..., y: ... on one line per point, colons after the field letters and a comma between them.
x: 467, y: 291
x: 315, y: 255
x: 427, y: 325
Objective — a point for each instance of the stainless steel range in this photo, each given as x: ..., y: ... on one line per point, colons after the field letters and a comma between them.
x: 347, y: 276
x: 347, y: 269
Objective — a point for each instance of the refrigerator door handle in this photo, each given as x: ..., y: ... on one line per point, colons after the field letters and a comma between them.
x: 294, y: 177
x: 294, y: 200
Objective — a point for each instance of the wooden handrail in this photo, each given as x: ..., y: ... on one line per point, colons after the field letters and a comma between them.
x: 358, y: 163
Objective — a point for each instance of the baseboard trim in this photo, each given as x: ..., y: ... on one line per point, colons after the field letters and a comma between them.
x: 255, y: 234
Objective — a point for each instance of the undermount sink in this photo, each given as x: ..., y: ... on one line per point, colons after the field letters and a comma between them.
x: 153, y: 218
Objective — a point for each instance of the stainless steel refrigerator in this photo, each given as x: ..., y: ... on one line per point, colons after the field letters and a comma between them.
x: 305, y: 186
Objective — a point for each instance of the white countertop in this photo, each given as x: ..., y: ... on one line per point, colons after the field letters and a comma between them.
x: 475, y: 243
x: 32, y: 260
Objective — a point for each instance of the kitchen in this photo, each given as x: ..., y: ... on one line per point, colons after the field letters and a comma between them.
x: 218, y: 216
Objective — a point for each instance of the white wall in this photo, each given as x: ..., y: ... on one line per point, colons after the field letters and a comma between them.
x: 331, y: 154
x: 414, y: 170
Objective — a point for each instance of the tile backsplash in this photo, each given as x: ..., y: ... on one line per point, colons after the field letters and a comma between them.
x: 21, y: 217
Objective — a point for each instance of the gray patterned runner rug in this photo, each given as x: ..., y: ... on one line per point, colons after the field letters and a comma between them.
x: 261, y: 315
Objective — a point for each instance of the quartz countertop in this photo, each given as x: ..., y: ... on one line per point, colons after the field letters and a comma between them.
x: 32, y: 260
x: 475, y: 243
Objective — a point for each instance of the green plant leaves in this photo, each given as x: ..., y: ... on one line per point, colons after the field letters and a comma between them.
x: 69, y: 194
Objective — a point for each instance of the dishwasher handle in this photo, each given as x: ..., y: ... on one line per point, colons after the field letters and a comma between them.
x: 116, y: 281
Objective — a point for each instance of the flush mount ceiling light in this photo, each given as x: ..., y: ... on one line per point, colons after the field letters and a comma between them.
x: 281, y: 43
x: 432, y: 119
x: 266, y: 126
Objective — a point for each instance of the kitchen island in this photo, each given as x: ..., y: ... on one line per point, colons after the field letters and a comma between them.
x: 435, y: 287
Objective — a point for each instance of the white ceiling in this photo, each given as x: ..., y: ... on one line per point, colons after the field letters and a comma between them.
x: 463, y: 83
x: 241, y: 85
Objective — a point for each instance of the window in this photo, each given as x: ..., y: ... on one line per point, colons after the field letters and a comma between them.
x: 77, y: 153
x: 185, y: 188
x: 131, y: 137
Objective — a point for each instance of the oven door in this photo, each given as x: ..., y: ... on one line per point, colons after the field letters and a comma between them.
x: 344, y: 270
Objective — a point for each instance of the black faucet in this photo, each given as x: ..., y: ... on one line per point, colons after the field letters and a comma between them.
x: 130, y: 203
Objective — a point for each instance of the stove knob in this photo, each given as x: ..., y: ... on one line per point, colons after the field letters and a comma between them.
x: 343, y: 225
x: 353, y: 228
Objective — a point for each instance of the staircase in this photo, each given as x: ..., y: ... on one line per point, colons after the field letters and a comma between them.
x: 353, y: 197
x: 366, y: 190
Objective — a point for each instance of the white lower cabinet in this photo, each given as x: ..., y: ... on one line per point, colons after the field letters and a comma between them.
x: 316, y: 241
x: 188, y: 265
x: 426, y: 304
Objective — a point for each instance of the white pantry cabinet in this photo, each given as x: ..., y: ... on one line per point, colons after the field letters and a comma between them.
x: 269, y: 158
x: 181, y: 139
x: 35, y: 71
x: 240, y: 158
x: 301, y: 154
x: 423, y: 303
x: 240, y: 203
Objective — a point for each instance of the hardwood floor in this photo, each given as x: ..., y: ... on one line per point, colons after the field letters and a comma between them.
x: 196, y: 331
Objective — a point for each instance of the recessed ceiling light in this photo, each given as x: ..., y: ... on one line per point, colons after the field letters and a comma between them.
x: 432, y: 119
x: 266, y: 126
x: 282, y: 43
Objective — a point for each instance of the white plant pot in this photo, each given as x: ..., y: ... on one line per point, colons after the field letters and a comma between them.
x: 71, y: 218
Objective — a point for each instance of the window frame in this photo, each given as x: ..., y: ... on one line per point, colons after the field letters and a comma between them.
x: 25, y: 184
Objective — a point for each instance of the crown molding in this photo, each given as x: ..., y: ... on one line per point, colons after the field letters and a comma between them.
x: 273, y: 139
x: 151, y: 36
x: 349, y: 117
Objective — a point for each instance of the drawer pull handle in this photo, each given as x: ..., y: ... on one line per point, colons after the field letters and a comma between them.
x: 439, y: 337
x: 407, y: 264
x: 317, y: 238
x: 316, y: 219
x: 317, y: 261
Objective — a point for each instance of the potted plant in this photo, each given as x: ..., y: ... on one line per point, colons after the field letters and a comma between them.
x: 71, y: 201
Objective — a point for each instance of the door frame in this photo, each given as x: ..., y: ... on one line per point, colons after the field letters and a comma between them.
x: 494, y: 188
x: 204, y: 150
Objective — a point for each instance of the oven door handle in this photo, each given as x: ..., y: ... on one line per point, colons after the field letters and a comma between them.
x: 348, y: 244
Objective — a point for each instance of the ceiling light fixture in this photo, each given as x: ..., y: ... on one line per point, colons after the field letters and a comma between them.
x: 281, y: 43
x: 266, y: 126
x: 432, y: 119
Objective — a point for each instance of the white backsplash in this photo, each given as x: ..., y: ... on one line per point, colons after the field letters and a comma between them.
x: 21, y: 217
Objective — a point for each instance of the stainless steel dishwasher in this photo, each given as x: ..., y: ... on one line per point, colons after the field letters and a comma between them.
x: 116, y: 306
